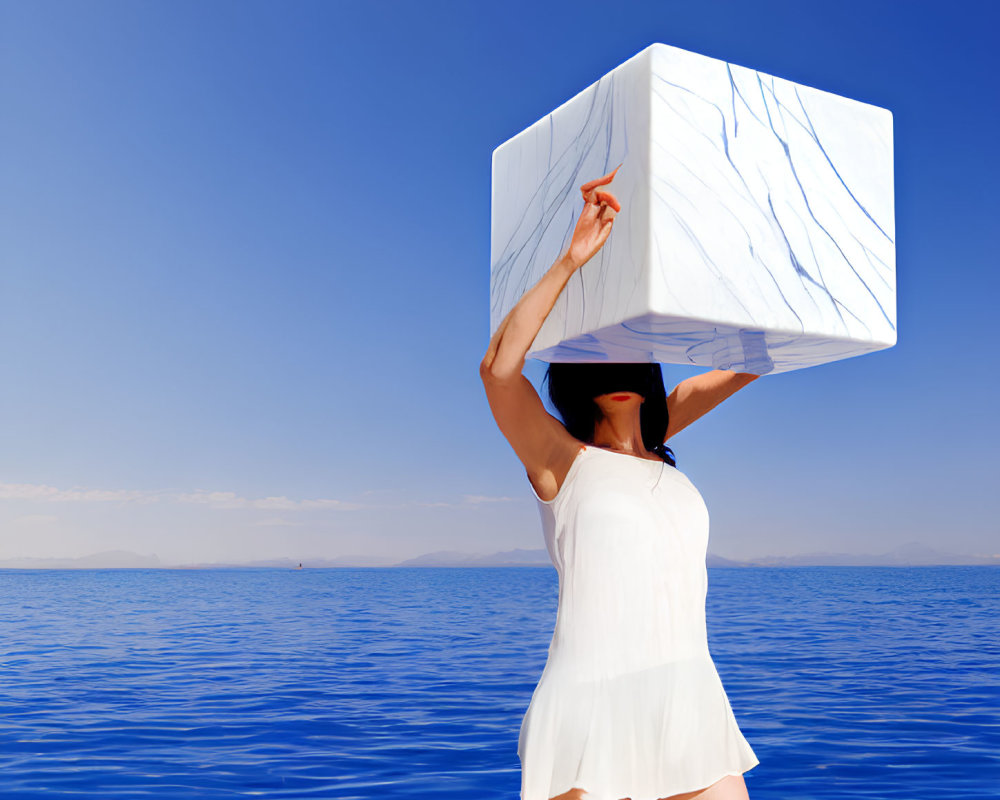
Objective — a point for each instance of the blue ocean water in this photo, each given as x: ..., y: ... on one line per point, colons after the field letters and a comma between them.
x: 853, y: 682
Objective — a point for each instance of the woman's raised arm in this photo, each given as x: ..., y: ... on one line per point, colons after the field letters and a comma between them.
x: 694, y: 397
x: 504, y: 358
x: 544, y: 446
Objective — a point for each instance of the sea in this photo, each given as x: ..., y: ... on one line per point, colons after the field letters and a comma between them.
x: 848, y: 682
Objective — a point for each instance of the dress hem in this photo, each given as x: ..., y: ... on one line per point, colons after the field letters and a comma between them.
x: 613, y: 796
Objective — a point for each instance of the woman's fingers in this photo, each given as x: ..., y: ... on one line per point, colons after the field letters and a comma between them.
x: 610, y: 199
x: 593, y: 195
x: 599, y: 200
x: 600, y: 181
x: 595, y: 222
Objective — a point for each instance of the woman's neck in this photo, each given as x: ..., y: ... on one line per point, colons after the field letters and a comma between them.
x: 622, y: 433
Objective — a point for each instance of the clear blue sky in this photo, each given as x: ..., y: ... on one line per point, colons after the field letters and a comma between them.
x: 245, y: 275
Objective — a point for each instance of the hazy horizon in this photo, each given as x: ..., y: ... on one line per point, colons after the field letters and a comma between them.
x: 907, y: 554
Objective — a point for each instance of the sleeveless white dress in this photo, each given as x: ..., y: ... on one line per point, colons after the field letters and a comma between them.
x: 629, y: 703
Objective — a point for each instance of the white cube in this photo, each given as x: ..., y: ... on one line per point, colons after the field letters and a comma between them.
x: 757, y: 229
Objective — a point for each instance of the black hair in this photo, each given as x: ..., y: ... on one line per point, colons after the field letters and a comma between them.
x: 574, y: 385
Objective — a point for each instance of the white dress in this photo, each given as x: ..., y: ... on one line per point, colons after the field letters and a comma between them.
x: 629, y: 703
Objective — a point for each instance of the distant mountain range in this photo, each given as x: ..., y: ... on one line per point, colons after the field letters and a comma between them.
x: 909, y: 554
x: 109, y: 559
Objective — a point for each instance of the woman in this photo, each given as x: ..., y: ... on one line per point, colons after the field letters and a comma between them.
x: 629, y: 703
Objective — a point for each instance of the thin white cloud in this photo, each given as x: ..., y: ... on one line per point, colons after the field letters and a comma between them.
x: 40, y: 493
x: 277, y: 522
x: 479, y: 498
x: 468, y: 499
x: 233, y: 500
x: 50, y: 494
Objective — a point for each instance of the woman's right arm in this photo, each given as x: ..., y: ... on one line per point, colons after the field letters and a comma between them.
x: 504, y: 359
x: 538, y: 438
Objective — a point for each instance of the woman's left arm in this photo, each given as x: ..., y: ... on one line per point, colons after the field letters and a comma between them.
x: 696, y: 396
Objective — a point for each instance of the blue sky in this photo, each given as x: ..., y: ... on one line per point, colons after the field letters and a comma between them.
x: 245, y: 275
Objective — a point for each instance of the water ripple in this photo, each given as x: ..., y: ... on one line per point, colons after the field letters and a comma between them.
x: 355, y: 683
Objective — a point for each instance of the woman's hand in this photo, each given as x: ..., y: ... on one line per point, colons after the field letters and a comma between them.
x: 594, y: 224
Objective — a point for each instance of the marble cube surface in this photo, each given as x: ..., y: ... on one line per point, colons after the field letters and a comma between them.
x: 757, y: 229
